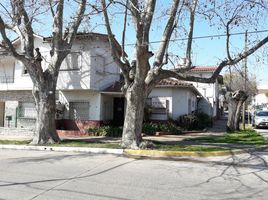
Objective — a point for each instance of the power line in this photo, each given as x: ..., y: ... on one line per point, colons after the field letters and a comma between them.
x: 204, y: 37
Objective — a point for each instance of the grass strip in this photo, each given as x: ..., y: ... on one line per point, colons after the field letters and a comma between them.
x: 169, y: 147
x: 246, y: 137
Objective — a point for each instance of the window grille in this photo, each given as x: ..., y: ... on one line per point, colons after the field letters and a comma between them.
x: 79, y: 110
x: 27, y: 110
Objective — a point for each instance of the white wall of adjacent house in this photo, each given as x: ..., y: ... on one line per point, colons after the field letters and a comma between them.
x: 184, y: 102
x: 261, y: 99
x: 88, y: 66
x: 181, y: 101
x: 209, y: 91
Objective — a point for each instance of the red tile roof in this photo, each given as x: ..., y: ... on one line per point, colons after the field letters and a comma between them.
x: 262, y: 91
x: 173, y: 83
x: 204, y: 69
x: 165, y: 83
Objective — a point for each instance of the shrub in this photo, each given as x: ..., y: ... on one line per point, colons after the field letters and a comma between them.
x: 204, y: 120
x: 188, y: 122
x: 108, y: 131
x: 152, y: 127
x: 193, y: 121
x: 149, y: 128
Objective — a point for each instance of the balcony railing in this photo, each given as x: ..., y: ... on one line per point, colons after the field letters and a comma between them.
x: 6, y: 79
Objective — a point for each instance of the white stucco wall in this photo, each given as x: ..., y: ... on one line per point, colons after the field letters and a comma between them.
x: 210, y: 91
x: 261, y: 99
x: 178, y: 100
x: 89, y: 74
x: 94, y: 99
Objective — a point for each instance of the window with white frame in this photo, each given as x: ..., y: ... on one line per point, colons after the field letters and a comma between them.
x: 79, y: 110
x: 27, y: 110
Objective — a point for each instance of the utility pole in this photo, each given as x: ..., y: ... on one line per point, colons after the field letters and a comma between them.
x: 245, y: 80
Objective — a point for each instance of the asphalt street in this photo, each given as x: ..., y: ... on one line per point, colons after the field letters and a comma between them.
x: 60, y: 175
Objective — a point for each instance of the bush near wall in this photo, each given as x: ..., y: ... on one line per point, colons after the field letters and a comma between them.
x: 195, y: 121
x: 151, y: 128
x: 108, y: 131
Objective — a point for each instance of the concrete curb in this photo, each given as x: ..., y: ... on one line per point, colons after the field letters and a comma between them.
x: 131, y: 152
x: 167, y: 154
x: 64, y: 149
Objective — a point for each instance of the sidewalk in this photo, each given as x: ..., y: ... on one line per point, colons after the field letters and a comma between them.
x: 217, y: 129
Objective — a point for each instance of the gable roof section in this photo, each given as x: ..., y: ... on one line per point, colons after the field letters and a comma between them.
x: 170, y: 82
x: 165, y: 83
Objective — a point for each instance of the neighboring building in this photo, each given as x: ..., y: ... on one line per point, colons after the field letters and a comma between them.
x: 209, y: 104
x: 260, y: 101
x: 86, y: 71
x: 170, y: 99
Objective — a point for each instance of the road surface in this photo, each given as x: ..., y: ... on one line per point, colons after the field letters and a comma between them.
x: 38, y: 175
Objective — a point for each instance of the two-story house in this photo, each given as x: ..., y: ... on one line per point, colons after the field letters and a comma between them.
x: 88, y: 88
x: 87, y: 70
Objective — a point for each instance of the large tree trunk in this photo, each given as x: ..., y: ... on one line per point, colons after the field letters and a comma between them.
x: 45, y: 128
x: 235, y: 102
x: 135, y: 97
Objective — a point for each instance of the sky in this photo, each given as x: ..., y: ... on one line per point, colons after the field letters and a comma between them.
x: 206, y: 52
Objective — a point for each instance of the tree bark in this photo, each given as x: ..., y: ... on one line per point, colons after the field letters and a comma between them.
x: 235, y: 102
x: 45, y: 127
x: 135, y: 97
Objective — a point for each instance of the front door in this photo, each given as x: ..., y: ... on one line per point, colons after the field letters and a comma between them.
x: 119, y: 104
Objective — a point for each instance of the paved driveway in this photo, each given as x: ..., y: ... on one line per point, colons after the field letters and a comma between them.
x: 26, y: 175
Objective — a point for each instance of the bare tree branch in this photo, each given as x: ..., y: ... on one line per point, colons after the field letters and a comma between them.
x: 51, y: 8
x: 185, y: 76
x: 147, y: 19
x: 70, y: 32
x: 124, y: 33
x: 9, y: 46
x: 190, y: 34
x: 166, y: 35
x: 123, y: 66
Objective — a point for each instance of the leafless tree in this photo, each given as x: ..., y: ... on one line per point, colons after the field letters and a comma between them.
x: 141, y: 75
x: 239, y: 89
x: 20, y: 21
